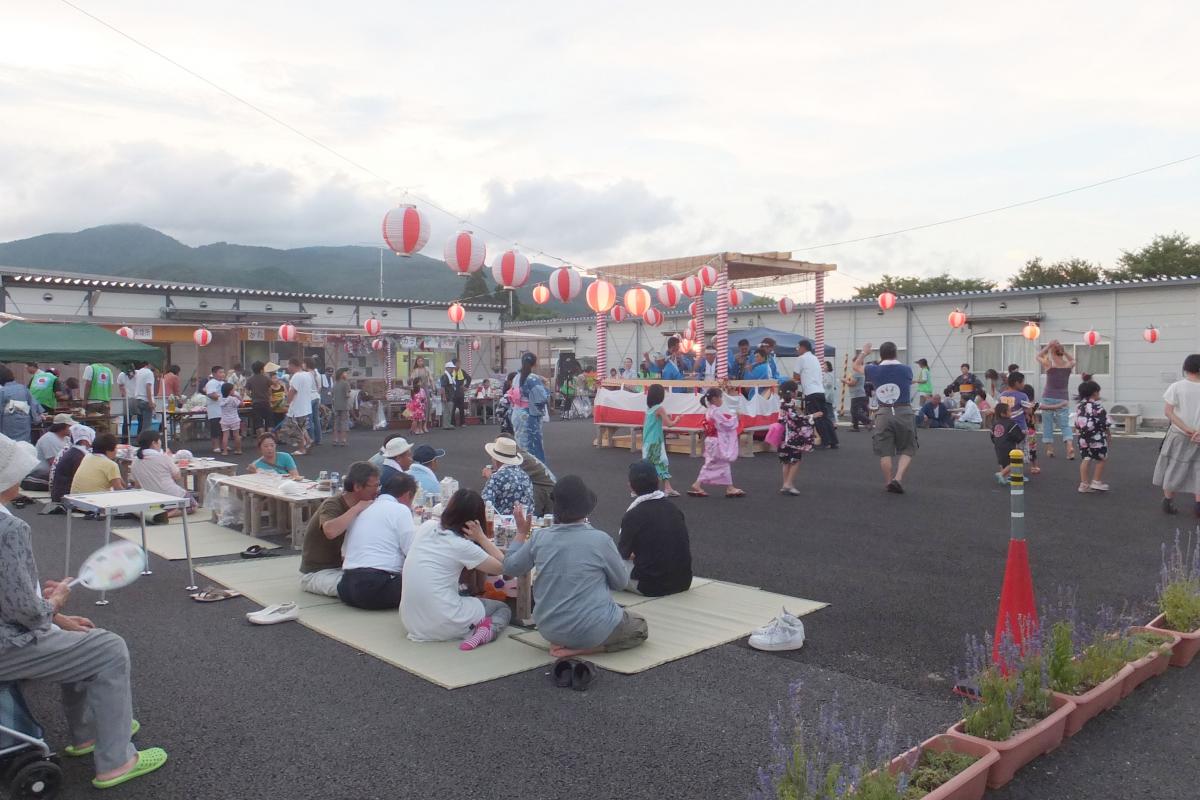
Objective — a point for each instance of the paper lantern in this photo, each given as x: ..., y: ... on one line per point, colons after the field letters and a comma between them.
x: 887, y: 301
x: 686, y: 345
x: 372, y: 327
x: 378, y: 344
x: 456, y: 313
x: 465, y: 253
x: 668, y: 294
x: 957, y: 319
x: 601, y: 296
x: 565, y: 284
x: 735, y: 297
x: 405, y: 230
x: 695, y: 307
x: 653, y: 317
x: 692, y: 286
x: 287, y: 332
x: 690, y: 331
x: 202, y: 337
x: 1150, y: 334
x: 511, y: 269
x: 786, y: 306
x: 636, y: 301
x: 1031, y: 331
x: 708, y: 275
x: 618, y: 314
x: 127, y: 332
x: 475, y: 344
x: 1091, y: 338
x: 541, y: 295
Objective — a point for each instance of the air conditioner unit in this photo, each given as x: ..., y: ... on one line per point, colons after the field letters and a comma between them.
x: 1125, y: 408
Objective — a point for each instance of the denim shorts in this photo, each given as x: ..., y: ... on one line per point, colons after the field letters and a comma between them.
x: 1060, y: 417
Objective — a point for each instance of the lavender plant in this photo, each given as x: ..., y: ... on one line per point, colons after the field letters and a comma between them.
x: 1012, y: 694
x: 1179, y: 585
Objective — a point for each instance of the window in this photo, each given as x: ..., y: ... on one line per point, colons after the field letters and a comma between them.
x: 996, y: 351
x: 1092, y: 360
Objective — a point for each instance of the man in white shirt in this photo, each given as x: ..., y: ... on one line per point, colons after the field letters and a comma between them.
x: 143, y: 393
x: 706, y: 370
x: 301, y: 392
x: 809, y: 374
x: 376, y: 545
x: 212, y: 405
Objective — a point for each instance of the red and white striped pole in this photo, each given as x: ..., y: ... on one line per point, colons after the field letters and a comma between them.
x: 819, y: 318
x: 722, y: 324
x: 470, y: 358
x: 602, y: 347
x: 699, y: 318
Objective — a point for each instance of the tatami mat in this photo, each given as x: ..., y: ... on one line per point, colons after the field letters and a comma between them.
x: 237, y: 574
x: 36, y: 494
x: 207, y: 539
x: 627, y: 599
x: 686, y: 623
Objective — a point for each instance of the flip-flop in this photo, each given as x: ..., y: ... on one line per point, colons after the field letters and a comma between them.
x: 563, y: 672
x: 672, y: 493
x: 212, y: 594
x: 76, y: 752
x: 147, y: 761
x: 693, y: 493
x: 258, y: 551
x: 583, y: 675
x: 735, y: 494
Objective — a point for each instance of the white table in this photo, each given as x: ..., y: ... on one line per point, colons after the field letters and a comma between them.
x: 289, y: 513
x: 128, y: 501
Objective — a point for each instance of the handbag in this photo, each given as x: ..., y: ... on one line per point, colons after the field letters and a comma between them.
x: 774, y: 435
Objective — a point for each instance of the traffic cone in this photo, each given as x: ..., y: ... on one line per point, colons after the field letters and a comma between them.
x: 1017, y: 615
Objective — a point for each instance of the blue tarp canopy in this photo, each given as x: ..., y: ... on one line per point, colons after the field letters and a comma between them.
x: 785, y: 343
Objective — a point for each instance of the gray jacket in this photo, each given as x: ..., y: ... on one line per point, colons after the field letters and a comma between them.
x: 24, y: 614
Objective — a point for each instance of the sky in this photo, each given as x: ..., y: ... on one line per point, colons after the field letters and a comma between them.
x: 601, y: 133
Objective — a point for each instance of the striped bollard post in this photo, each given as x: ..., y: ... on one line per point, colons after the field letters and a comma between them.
x: 722, y: 343
x: 1018, y: 609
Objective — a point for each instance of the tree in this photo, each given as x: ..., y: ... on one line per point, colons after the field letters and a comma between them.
x: 537, y: 312
x: 1165, y: 256
x: 911, y: 285
x: 476, y: 288
x: 501, y: 297
x: 1073, y: 270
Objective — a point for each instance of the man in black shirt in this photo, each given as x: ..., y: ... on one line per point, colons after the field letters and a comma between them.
x: 654, y: 538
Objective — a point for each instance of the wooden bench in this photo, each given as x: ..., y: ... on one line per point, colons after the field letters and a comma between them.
x: 607, y: 436
x: 1128, y: 424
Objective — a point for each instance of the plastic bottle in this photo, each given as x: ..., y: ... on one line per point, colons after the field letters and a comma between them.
x: 490, y: 514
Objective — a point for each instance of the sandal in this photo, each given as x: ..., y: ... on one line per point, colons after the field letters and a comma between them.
x: 257, y: 551
x: 563, y: 672
x: 672, y: 493
x: 738, y: 493
x: 583, y: 675
x: 76, y: 752
x: 212, y: 594
x: 147, y: 761
x: 694, y: 493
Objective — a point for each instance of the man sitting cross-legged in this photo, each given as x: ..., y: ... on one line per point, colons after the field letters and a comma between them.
x: 578, y: 567
x: 321, y: 556
x: 376, y: 546
x: 654, y: 538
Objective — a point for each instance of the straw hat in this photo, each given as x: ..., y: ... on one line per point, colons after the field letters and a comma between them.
x: 271, y: 366
x: 67, y: 418
x: 396, y: 447
x: 17, y: 459
x: 504, y: 450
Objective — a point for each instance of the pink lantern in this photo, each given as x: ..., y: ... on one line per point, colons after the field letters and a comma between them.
x: 405, y: 230
x: 1091, y: 338
x: 618, y: 314
x: 1150, y: 334
x: 708, y: 275
x: 378, y: 344
x: 636, y: 301
x: 735, y: 297
x: 565, y: 284
x: 202, y: 337
x: 668, y: 294
x: 287, y: 332
x: 456, y: 313
x: 601, y: 296
x: 653, y: 317
x: 372, y: 327
x: 1031, y: 331
x: 465, y: 253
x: 957, y: 319
x: 511, y: 269
x: 125, y: 331
x: 693, y: 286
x: 887, y: 301
x: 541, y: 294
x: 786, y: 306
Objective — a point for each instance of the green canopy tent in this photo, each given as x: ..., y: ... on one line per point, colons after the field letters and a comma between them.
x: 66, y: 342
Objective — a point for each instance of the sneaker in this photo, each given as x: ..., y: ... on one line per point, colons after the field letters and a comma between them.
x: 1097, y: 486
x: 272, y: 615
x: 787, y: 618
x: 895, y: 488
x: 779, y: 635
x: 1084, y: 488
x: 482, y: 635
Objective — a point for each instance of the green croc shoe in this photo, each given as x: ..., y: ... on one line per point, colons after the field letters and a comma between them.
x: 148, y: 760
x: 76, y: 752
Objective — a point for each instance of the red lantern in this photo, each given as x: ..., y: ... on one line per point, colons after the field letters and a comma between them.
x: 957, y: 319
x: 686, y: 345
x: 565, y: 284
x: 601, y: 296
x: 465, y: 253
x: 287, y: 332
x: 786, y: 306
x: 708, y: 275
x: 735, y: 297
x: 405, y: 230
x: 475, y: 344
x: 617, y: 314
x: 693, y: 286
x: 693, y: 307
x: 1031, y: 331
x: 653, y: 317
x: 636, y: 301
x: 125, y: 331
x: 668, y: 294
x: 1150, y: 334
x: 1091, y: 338
x: 511, y: 269
x: 372, y: 327
x: 887, y: 301
x: 541, y: 294
x: 690, y: 331
x: 378, y: 344
x: 202, y: 337
x: 456, y: 313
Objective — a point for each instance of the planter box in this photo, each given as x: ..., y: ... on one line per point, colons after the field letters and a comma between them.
x: 1097, y: 699
x: 1149, y: 666
x: 1188, y: 647
x: 1019, y: 749
x: 969, y: 784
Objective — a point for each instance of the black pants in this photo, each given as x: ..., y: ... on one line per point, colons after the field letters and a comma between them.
x: 262, y: 418
x: 860, y: 413
x: 824, y: 424
x: 372, y: 589
x: 458, y: 415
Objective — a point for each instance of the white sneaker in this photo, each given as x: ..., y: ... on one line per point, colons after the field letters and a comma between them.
x: 786, y: 617
x: 271, y: 615
x: 779, y: 635
x: 1084, y: 488
x: 1097, y: 486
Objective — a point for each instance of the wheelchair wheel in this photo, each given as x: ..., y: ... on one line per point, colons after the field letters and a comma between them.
x: 36, y: 780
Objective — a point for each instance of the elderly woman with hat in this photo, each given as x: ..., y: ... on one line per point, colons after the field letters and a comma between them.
x: 508, y: 486
x: 38, y: 643
x: 64, y: 467
x: 397, y: 457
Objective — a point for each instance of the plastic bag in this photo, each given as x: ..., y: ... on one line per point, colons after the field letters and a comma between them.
x: 222, y: 501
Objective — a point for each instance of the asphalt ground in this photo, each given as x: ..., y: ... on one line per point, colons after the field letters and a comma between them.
x: 283, y: 712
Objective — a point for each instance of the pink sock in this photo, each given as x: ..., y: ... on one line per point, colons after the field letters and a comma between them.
x: 482, y: 635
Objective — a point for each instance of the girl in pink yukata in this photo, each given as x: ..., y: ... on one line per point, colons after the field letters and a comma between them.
x: 720, y: 446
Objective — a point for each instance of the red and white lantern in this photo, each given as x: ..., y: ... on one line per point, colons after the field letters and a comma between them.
x: 202, y: 337
x: 957, y: 319
x: 708, y: 276
x: 541, y: 294
x: 1150, y: 334
x: 1031, y: 331
x: 690, y: 331
x: 465, y: 253
x: 378, y: 344
x: 565, y: 284
x: 287, y: 332
x: 405, y: 229
x: 1091, y: 338
x: 692, y: 286
x: 694, y: 308
x: 456, y: 313
x: 601, y: 296
x: 887, y: 301
x: 476, y: 344
x: 636, y: 301
x: 653, y: 317
x: 735, y: 297
x: 125, y: 331
x: 686, y: 345
x: 786, y: 306
x: 668, y: 294
x: 618, y: 314
x: 372, y: 327
x: 511, y: 270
